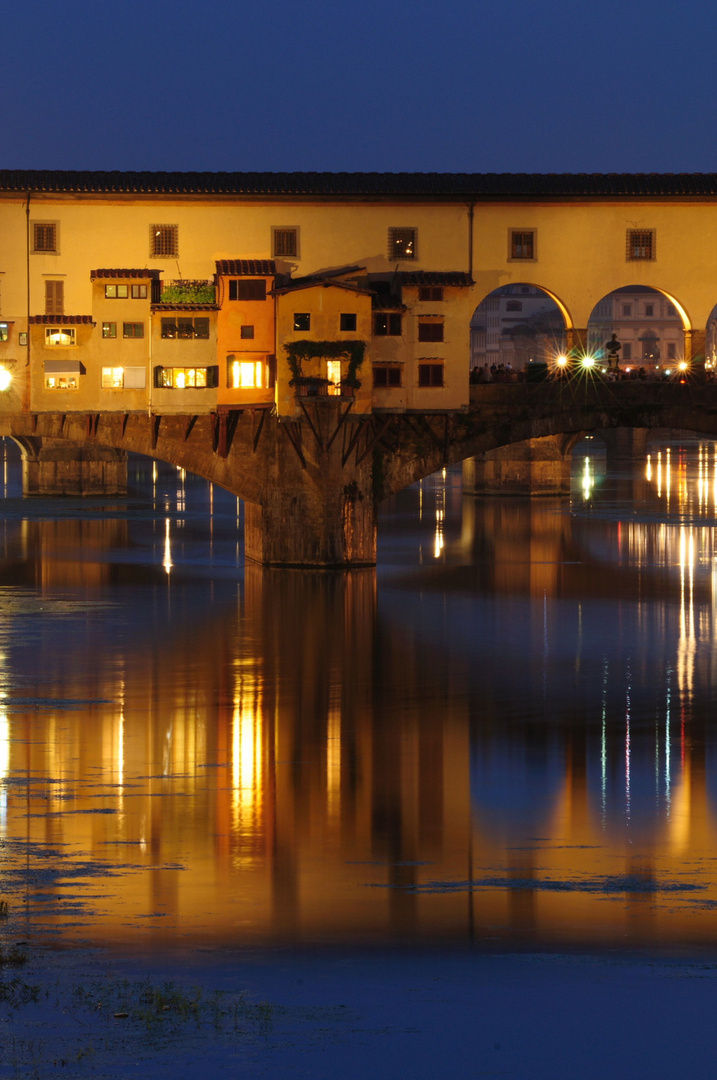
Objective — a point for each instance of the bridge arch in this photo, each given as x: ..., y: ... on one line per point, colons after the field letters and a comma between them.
x: 652, y: 326
x: 516, y: 324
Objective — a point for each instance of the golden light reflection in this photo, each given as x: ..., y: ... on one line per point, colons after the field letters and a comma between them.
x: 687, y: 642
x: 247, y: 762
x: 167, y: 561
x: 588, y: 479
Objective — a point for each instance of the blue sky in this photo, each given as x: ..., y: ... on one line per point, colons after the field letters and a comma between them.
x: 342, y: 85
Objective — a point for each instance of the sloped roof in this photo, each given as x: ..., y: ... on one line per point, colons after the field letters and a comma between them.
x: 464, y: 186
x: 61, y: 320
x: 121, y: 273
x: 320, y: 283
x: 246, y: 267
x: 435, y: 277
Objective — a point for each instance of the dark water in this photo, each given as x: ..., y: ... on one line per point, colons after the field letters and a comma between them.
x: 505, y: 735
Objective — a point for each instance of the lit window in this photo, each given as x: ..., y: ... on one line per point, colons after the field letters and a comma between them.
x: 387, y: 323
x: 59, y: 335
x: 640, y: 244
x: 247, y: 289
x: 133, y: 330
x: 247, y: 374
x: 116, y: 292
x: 164, y: 240
x: 302, y: 320
x: 185, y: 328
x: 61, y: 382
x: 186, y: 378
x: 4, y: 331
x: 522, y: 244
x: 44, y: 236
x: 285, y: 243
x: 347, y: 321
x: 402, y: 243
x: 112, y: 378
x: 430, y: 374
x: 109, y: 329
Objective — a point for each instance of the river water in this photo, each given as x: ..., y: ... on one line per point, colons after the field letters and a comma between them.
x: 503, y: 736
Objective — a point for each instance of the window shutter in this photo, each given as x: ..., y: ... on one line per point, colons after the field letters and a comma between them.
x: 54, y: 298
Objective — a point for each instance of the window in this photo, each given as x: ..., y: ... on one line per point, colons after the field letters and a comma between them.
x: 672, y: 350
x: 514, y: 305
x: 347, y: 321
x: 59, y: 335
x: 185, y: 328
x: 430, y: 292
x: 44, y: 236
x: 247, y: 332
x: 386, y: 376
x: 247, y: 289
x: 186, y: 378
x: 133, y: 330
x: 671, y: 311
x: 4, y: 331
x: 430, y: 331
x: 109, y: 329
x: 627, y: 310
x: 247, y: 374
x: 627, y: 351
x: 640, y: 244
x: 387, y: 324
x: 285, y: 243
x: 62, y: 382
x: 649, y: 309
x: 302, y: 320
x: 139, y: 292
x: 402, y: 243
x: 430, y: 374
x: 116, y: 292
x: 522, y: 244
x: 163, y: 241
x: 112, y: 378
x: 54, y: 298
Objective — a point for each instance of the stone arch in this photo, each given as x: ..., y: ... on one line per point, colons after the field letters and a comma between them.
x: 652, y: 326
x: 518, y: 323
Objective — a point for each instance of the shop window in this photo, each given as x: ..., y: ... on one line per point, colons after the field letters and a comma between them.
x: 109, y: 329
x: 402, y: 243
x: 430, y: 292
x: 247, y: 289
x: 285, y: 243
x: 347, y: 321
x: 430, y: 331
x: 164, y: 241
x: 384, y: 376
x: 60, y: 335
x: 133, y: 330
x: 387, y: 323
x: 430, y: 374
x: 302, y: 320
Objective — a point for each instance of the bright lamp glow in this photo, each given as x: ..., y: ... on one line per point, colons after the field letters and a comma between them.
x: 5, y: 379
x: 683, y: 366
x: 588, y: 361
x: 562, y: 361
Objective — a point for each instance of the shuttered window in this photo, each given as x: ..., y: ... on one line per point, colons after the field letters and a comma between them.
x: 54, y: 298
x: 285, y: 243
x: 44, y: 236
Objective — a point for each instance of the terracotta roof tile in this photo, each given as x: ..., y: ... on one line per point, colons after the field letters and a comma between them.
x: 246, y: 267
x: 62, y: 320
x: 435, y: 277
x: 121, y: 273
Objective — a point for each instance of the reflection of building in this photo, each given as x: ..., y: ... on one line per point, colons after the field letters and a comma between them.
x: 646, y: 324
x: 514, y: 325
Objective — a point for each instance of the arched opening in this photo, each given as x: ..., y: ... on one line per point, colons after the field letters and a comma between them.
x: 515, y: 327
x: 638, y: 332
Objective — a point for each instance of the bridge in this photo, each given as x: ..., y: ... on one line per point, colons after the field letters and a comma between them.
x: 312, y: 483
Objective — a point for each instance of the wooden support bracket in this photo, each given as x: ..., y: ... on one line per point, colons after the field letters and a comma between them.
x: 294, y: 440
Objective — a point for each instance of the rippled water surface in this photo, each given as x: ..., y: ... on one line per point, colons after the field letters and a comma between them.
x: 504, y: 735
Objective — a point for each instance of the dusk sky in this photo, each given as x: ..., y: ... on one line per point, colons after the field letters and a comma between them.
x: 342, y: 85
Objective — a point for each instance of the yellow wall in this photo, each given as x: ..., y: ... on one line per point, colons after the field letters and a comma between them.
x: 233, y: 314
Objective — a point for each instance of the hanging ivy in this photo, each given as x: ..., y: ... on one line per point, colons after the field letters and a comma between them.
x: 298, y: 351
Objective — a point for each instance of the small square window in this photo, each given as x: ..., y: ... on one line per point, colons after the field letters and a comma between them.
x: 402, y: 243
x: 302, y: 320
x: 44, y: 236
x: 347, y: 321
x: 139, y: 292
x: 116, y: 292
x: 169, y: 328
x: 430, y: 331
x: 640, y: 244
x: 285, y: 243
x: 387, y: 323
x: 109, y: 329
x: 133, y: 330
x: 247, y: 332
x: 430, y: 292
x: 430, y: 374
x: 522, y: 244
x: 164, y: 241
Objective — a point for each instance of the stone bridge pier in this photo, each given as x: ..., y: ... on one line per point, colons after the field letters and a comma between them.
x: 57, y: 467
x: 533, y: 467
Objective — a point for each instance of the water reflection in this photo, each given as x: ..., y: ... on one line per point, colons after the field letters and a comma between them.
x: 504, y: 737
